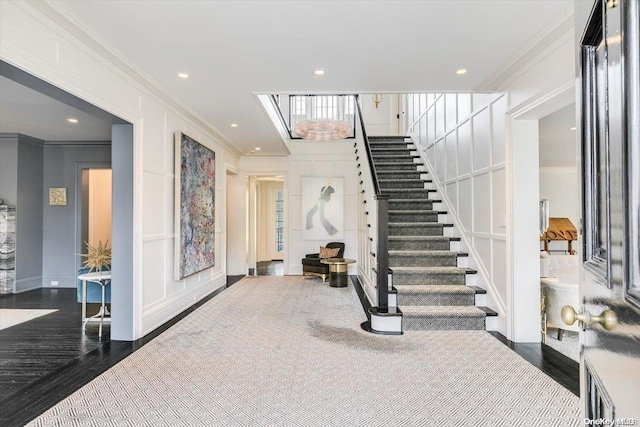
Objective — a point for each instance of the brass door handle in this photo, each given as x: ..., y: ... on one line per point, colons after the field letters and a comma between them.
x: 607, y: 318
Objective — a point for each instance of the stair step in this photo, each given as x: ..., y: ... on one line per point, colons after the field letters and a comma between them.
x: 388, y: 137
x: 407, y: 204
x: 415, y: 228
x: 402, y: 166
x: 388, y: 184
x: 489, y: 312
x: 429, y: 276
x: 412, y: 174
x: 430, y: 318
x: 409, y: 216
x: 423, y: 259
x: 410, y: 193
x: 400, y: 149
x: 400, y: 243
x: 402, y: 145
x: 447, y: 295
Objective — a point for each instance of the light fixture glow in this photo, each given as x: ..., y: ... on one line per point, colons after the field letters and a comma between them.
x: 573, y: 128
x: 183, y: 75
x: 323, y: 129
x: 72, y: 120
x: 319, y: 72
x: 461, y: 71
x: 234, y: 125
x: 257, y: 148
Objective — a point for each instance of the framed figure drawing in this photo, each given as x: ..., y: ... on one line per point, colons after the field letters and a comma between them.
x: 195, y: 189
x: 322, y: 207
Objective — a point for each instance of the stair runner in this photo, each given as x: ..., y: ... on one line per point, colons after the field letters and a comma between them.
x: 432, y: 290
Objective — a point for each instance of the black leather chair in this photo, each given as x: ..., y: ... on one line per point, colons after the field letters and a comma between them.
x: 311, y: 264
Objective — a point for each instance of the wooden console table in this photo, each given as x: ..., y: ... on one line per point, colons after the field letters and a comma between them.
x: 560, y: 229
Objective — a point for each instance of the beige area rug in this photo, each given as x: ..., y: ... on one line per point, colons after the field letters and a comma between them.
x: 14, y: 316
x: 289, y: 351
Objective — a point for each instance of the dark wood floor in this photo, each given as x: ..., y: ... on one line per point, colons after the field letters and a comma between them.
x: 47, y: 359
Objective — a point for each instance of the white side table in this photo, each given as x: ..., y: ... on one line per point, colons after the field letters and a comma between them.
x: 101, y: 278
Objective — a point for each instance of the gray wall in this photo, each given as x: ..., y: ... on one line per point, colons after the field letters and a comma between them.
x: 21, y: 185
x: 9, y: 168
x: 29, y: 214
x: 61, y: 236
x: 123, y: 296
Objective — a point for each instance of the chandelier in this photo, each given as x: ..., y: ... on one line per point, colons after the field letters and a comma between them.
x: 323, y: 129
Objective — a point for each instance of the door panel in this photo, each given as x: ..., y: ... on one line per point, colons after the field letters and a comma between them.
x: 610, y: 315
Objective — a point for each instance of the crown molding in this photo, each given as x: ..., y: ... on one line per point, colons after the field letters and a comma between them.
x: 556, y: 32
x: 71, y: 23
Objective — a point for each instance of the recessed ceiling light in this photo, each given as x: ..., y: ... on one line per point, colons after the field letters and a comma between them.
x: 72, y: 120
x: 573, y: 128
x: 319, y: 72
x: 257, y: 148
x: 461, y: 71
x: 234, y: 125
x: 183, y: 75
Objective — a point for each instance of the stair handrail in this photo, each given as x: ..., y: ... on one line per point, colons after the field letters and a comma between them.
x: 382, y: 223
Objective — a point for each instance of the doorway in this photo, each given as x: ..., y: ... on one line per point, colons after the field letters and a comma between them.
x: 269, y: 225
x: 559, y: 259
x: 95, y: 205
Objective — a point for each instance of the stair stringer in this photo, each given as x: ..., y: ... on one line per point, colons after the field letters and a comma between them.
x: 481, y: 279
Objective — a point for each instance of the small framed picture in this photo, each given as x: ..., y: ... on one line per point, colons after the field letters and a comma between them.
x: 58, y: 196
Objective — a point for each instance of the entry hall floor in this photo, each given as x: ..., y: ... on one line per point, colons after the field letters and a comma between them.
x: 91, y: 357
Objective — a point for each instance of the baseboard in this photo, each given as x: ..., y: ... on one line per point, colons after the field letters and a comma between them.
x: 63, y: 282
x: 156, y: 315
x: 28, y: 284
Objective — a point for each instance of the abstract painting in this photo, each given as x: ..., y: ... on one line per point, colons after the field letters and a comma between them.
x: 195, y: 170
x: 322, y: 207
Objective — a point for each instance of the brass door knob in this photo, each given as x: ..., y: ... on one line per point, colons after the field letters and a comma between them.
x: 607, y: 318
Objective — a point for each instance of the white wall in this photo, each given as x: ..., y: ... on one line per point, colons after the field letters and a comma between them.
x: 310, y: 158
x: 32, y: 39
x: 462, y: 138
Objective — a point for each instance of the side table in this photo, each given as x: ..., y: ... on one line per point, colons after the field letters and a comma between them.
x: 338, y: 268
x: 101, y: 278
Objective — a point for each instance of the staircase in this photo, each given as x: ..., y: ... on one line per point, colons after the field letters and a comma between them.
x: 431, y: 289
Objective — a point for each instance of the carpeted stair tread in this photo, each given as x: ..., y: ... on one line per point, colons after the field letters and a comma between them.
x: 431, y: 270
x: 412, y: 211
x: 412, y: 228
x: 435, y: 295
x: 435, y: 289
x: 423, y: 258
x: 442, y: 311
x: 427, y: 252
x: 422, y: 238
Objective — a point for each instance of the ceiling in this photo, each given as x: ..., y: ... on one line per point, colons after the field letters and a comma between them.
x: 27, y: 111
x: 233, y: 50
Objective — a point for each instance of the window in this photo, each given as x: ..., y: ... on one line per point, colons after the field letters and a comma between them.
x: 279, y: 221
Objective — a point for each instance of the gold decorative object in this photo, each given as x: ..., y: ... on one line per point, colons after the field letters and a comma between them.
x: 377, y: 99
x: 97, y: 257
x: 58, y: 196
